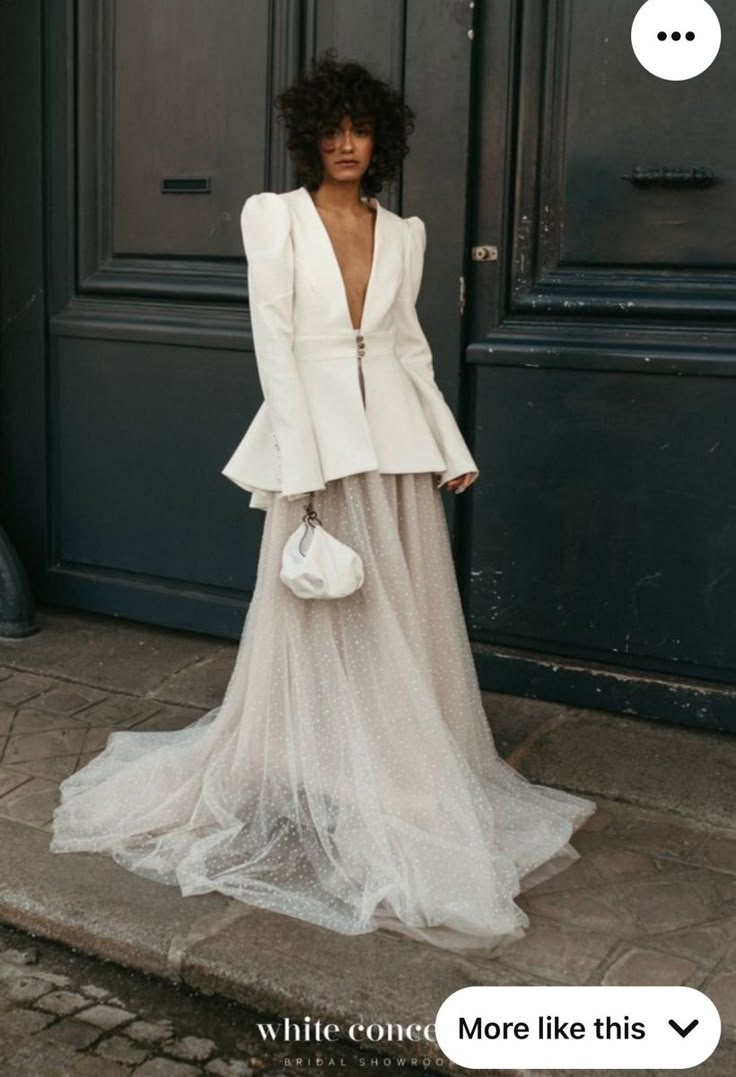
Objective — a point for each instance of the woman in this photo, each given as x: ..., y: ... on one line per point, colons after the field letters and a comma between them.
x: 348, y: 777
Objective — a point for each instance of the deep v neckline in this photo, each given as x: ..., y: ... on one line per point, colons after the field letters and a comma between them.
x: 336, y: 263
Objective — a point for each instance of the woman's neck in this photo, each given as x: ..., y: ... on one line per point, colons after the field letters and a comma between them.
x: 342, y: 197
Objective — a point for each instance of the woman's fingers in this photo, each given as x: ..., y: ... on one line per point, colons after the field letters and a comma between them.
x: 462, y: 482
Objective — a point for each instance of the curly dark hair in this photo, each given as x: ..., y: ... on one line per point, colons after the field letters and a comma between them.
x: 316, y: 102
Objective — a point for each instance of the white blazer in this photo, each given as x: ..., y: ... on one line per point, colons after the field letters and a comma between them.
x: 319, y: 419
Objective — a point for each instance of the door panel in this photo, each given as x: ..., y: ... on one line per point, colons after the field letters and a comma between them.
x: 616, y: 117
x: 602, y: 351
x: 128, y: 347
x: 606, y: 529
x: 181, y: 90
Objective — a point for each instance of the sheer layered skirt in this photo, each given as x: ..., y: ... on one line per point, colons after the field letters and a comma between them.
x: 349, y: 775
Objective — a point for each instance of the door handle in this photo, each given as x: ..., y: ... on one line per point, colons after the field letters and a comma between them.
x: 671, y: 177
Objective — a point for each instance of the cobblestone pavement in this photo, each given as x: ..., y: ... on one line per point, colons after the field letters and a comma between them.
x: 651, y: 901
x: 64, y: 1013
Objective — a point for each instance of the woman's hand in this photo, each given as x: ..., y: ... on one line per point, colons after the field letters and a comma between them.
x: 462, y: 482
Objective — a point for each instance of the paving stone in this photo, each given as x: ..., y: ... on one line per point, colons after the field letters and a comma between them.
x: 85, y: 757
x: 615, y: 862
x: 10, y: 779
x: 29, y: 747
x: 31, y: 803
x: 106, y: 1017
x: 589, y: 841
x: 669, y: 904
x: 704, y: 943
x: 19, y: 687
x: 199, y: 682
x: 221, y: 1067
x: 62, y: 1002
x: 492, y: 973
x: 583, y: 873
x: 729, y: 949
x: 23, y: 1022
x: 149, y: 1031
x: 599, y: 909
x: 40, y: 1058
x: 648, y: 967
x: 661, y: 837
x: 109, y: 652
x: 97, y: 739
x: 120, y: 711
x: 54, y: 769
x: 29, y: 956
x: 190, y: 1048
x: 560, y: 952
x: 94, y: 992
x: 718, y: 852
x: 6, y: 718
x: 649, y: 762
x: 113, y: 1000
x: 30, y: 721
x: 68, y: 699
x: 603, y: 819
x: 120, y: 1049
x: 165, y: 1067
x: 721, y: 990
x: 28, y: 988
x: 73, y: 1033
x: 10, y: 972
x: 722, y: 1063
x: 167, y: 718
x: 725, y: 891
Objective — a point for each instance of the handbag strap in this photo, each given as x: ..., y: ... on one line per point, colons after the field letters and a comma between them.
x: 310, y: 518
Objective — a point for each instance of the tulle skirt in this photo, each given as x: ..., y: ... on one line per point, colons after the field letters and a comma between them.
x: 349, y: 776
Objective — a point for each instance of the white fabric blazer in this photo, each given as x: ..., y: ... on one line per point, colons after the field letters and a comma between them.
x: 317, y: 422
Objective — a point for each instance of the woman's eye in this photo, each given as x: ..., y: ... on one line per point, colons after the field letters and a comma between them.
x: 334, y: 133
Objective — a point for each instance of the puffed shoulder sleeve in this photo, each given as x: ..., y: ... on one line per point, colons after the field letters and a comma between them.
x: 416, y: 357
x: 416, y: 240
x: 265, y: 223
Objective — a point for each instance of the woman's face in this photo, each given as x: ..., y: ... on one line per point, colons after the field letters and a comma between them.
x: 346, y: 143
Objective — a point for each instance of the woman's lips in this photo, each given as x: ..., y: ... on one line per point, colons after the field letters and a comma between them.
x: 347, y: 164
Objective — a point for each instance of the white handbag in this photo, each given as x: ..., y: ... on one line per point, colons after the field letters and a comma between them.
x: 315, y: 564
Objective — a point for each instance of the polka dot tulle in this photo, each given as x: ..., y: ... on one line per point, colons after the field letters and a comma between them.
x: 349, y: 776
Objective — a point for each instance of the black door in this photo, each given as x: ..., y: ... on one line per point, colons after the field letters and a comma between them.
x: 602, y: 355
x: 132, y: 134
